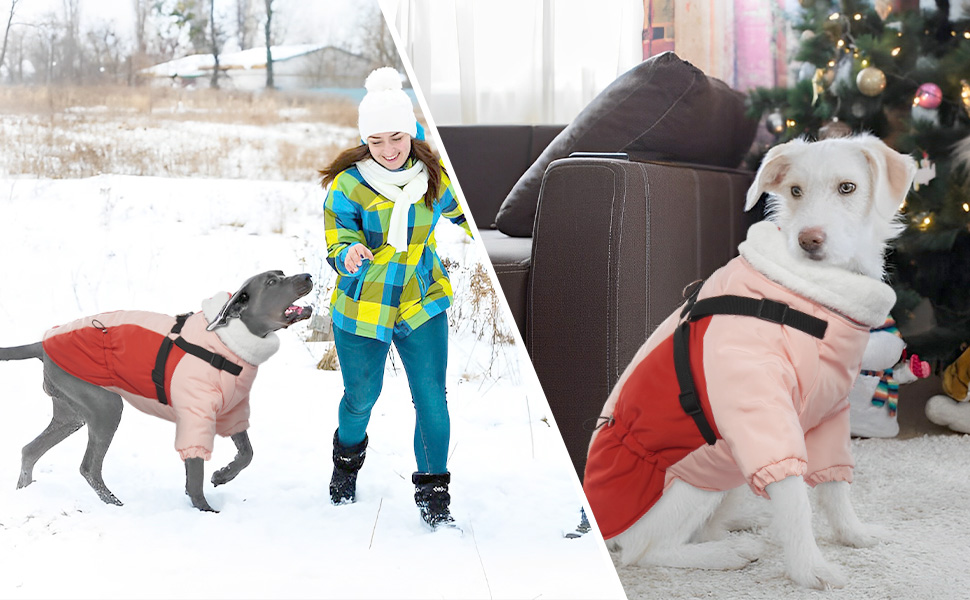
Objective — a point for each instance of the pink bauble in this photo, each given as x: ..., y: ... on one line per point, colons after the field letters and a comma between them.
x: 928, y: 95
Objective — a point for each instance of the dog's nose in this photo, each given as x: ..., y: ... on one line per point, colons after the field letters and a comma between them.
x: 811, y: 239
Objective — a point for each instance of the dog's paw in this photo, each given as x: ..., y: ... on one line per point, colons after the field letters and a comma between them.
x: 749, y: 547
x: 818, y: 574
x: 718, y: 556
x: 223, y: 475
x: 863, y: 536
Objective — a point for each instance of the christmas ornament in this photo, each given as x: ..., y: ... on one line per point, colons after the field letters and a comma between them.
x: 927, y: 115
x: 818, y: 85
x: 834, y: 129
x: 883, y: 8
x: 871, y: 81
x: 806, y: 71
x: 775, y: 123
x: 925, y: 172
x: 928, y: 95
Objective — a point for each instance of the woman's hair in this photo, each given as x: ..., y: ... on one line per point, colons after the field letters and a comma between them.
x: 420, y: 150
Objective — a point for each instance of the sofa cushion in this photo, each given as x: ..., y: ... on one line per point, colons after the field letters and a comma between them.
x: 488, y: 159
x: 662, y: 109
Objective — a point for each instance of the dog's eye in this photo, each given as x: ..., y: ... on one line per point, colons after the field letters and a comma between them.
x: 796, y: 191
x: 846, y: 187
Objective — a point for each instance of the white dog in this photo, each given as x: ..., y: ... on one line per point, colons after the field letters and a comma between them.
x: 774, y: 397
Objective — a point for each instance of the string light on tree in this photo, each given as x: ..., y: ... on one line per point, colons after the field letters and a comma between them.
x: 965, y: 95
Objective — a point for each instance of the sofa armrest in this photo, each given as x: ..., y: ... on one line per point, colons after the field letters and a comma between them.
x: 615, y: 243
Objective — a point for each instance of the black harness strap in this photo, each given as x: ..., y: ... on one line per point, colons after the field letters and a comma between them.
x: 216, y: 360
x: 761, y: 308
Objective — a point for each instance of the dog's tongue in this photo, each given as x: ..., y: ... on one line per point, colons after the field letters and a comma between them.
x: 297, y: 313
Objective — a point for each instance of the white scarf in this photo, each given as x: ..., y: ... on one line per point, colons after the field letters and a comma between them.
x: 236, y: 336
x: 403, y: 188
x: 861, y: 298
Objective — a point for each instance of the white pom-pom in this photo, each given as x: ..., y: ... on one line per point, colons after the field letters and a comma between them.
x: 384, y: 78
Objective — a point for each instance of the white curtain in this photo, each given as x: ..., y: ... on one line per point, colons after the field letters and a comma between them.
x: 515, y: 61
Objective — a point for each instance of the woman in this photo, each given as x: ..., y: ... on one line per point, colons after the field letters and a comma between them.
x: 384, y: 200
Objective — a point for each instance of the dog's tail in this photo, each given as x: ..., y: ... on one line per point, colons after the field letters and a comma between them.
x: 23, y: 352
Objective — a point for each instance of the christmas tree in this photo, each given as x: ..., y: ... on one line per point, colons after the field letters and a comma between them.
x: 904, y: 75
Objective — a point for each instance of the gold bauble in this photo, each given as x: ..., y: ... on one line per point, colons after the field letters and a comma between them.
x: 871, y: 81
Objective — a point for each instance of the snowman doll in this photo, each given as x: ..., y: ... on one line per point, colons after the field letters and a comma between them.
x: 874, y: 397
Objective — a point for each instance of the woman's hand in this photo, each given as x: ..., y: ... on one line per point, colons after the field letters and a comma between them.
x: 355, y: 257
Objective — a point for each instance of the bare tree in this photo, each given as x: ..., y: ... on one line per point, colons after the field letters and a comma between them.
x: 72, y: 47
x: 6, y: 33
x: 142, y: 11
x: 269, y: 45
x: 245, y: 23
x: 215, y: 44
x: 375, y: 40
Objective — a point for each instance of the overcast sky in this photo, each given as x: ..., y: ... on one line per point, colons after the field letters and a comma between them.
x: 317, y: 21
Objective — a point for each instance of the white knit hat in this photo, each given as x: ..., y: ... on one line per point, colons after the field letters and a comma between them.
x: 385, y: 107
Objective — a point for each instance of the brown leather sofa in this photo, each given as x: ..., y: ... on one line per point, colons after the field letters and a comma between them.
x: 616, y: 236
x: 615, y: 242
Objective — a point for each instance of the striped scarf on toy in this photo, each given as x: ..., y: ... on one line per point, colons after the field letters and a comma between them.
x: 887, y: 391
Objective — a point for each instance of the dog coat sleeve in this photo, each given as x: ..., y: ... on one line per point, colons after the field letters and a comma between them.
x: 196, y: 399
x: 755, y: 393
x: 829, y: 450
x: 235, y: 419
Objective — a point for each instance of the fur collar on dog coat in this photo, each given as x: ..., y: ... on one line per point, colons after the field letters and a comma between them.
x: 117, y: 351
x: 777, y: 397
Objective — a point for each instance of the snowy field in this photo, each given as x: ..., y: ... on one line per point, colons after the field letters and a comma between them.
x: 916, y: 489
x: 74, y: 247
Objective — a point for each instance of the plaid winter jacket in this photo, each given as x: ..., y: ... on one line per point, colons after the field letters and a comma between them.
x: 397, y: 291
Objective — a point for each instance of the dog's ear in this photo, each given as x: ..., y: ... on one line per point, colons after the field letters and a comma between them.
x: 233, y: 307
x: 772, y: 172
x: 892, y: 175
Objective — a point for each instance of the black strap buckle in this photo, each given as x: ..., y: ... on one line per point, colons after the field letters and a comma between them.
x: 771, y: 311
x: 218, y: 361
x: 688, y: 402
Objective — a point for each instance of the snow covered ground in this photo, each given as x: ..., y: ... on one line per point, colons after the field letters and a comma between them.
x: 74, y: 247
x: 916, y: 489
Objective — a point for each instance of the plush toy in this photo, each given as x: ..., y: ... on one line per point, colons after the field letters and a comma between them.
x: 953, y: 410
x: 873, y: 398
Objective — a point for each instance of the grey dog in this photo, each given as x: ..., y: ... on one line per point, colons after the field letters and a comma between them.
x: 92, y: 363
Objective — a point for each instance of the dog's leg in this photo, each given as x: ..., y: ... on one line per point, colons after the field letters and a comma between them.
x: 738, y: 511
x: 65, y: 421
x: 102, y: 424
x: 244, y: 456
x: 100, y: 409
x: 792, y: 526
x: 834, y: 498
x: 661, y: 537
x: 194, y: 476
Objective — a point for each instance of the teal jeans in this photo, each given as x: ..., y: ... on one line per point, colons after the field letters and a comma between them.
x: 424, y: 354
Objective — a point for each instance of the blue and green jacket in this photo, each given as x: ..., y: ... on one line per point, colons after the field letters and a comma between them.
x: 397, y: 291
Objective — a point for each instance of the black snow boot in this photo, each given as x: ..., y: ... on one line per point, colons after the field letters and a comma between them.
x: 347, y: 460
x: 431, y: 496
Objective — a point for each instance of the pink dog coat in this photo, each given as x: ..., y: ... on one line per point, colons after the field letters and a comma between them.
x: 117, y: 351
x: 776, y: 397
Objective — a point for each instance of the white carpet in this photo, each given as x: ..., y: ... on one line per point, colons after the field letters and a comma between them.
x: 918, y: 488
